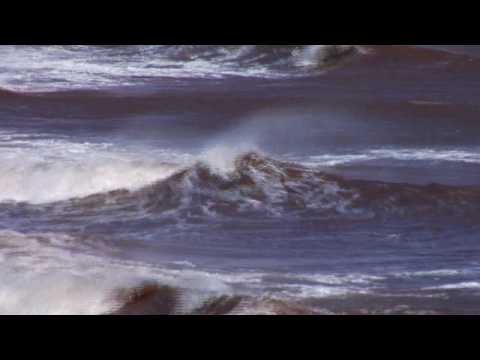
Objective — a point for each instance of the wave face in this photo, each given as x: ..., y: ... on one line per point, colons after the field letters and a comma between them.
x: 239, y: 179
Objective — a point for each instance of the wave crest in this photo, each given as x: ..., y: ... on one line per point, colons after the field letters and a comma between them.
x: 260, y: 185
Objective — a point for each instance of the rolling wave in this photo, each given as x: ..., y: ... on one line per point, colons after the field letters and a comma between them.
x: 222, y: 182
x: 260, y: 185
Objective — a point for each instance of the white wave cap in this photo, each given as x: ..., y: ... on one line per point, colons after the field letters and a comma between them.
x: 37, y: 170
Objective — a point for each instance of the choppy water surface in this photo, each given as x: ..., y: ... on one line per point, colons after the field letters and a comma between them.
x: 319, y: 179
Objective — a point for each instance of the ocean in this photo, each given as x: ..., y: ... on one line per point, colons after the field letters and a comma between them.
x: 253, y: 179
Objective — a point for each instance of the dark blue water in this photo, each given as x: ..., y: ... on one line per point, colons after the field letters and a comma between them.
x: 298, y: 179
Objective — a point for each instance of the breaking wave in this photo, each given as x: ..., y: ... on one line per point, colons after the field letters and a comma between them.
x: 224, y: 181
x: 260, y: 185
x: 38, y: 168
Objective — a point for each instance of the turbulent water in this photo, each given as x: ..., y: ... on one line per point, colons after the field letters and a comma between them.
x: 199, y: 179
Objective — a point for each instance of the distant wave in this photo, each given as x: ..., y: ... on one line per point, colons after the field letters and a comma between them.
x: 403, y: 154
x: 33, y: 69
x: 58, y: 68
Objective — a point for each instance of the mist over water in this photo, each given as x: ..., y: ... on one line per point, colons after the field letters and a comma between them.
x: 239, y: 179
